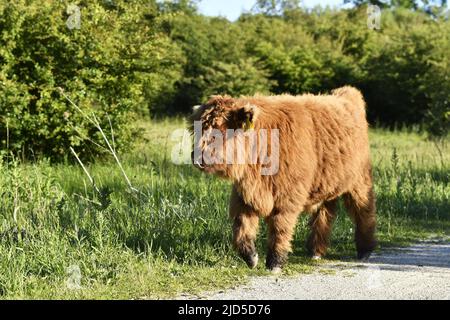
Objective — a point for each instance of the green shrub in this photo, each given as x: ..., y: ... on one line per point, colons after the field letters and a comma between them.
x: 118, y: 63
x: 217, y: 61
x: 407, y: 68
x: 240, y: 78
x: 140, y: 58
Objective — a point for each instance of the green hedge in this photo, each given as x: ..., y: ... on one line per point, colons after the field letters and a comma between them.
x: 402, y: 69
x: 133, y: 59
x: 116, y: 65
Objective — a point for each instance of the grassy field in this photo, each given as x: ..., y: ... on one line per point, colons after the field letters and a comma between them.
x: 60, y: 239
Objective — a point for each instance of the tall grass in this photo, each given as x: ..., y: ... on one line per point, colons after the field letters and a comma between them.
x: 174, y: 235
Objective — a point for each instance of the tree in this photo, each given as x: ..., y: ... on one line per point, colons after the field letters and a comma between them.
x: 426, y: 5
x: 275, y: 7
x: 117, y: 63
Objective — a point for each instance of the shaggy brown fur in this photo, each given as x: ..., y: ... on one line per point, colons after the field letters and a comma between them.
x: 323, y: 155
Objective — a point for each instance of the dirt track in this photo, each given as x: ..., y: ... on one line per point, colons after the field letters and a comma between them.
x: 421, y: 271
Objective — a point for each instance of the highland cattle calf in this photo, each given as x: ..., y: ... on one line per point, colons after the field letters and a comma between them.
x: 286, y: 155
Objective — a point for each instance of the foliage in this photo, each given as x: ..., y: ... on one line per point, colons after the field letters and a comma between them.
x: 273, y: 7
x: 217, y: 62
x: 408, y: 65
x: 117, y: 63
x: 401, y: 69
x: 427, y: 5
x: 140, y: 58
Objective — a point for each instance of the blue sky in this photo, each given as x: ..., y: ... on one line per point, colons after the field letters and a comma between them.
x: 233, y: 8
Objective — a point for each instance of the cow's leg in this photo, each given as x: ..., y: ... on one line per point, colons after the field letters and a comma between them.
x: 361, y: 205
x: 245, y: 228
x: 321, y: 224
x: 281, y: 227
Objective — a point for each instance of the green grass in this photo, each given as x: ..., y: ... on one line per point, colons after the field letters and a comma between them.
x: 175, y: 236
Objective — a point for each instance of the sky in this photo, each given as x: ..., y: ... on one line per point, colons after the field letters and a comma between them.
x: 233, y: 8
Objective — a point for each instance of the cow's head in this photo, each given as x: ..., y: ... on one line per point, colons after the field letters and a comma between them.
x: 224, y: 135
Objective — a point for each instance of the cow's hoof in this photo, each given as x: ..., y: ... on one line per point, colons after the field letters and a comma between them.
x: 276, y: 271
x: 252, y: 261
x: 316, y: 257
x: 275, y: 262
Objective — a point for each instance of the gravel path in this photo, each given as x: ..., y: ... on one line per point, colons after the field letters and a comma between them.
x: 421, y: 271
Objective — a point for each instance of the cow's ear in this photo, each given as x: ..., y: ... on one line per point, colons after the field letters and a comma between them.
x: 246, y: 117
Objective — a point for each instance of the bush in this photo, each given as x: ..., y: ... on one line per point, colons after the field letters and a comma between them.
x: 240, y: 78
x: 117, y: 64
x: 217, y: 61
x: 407, y: 68
x: 138, y: 58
